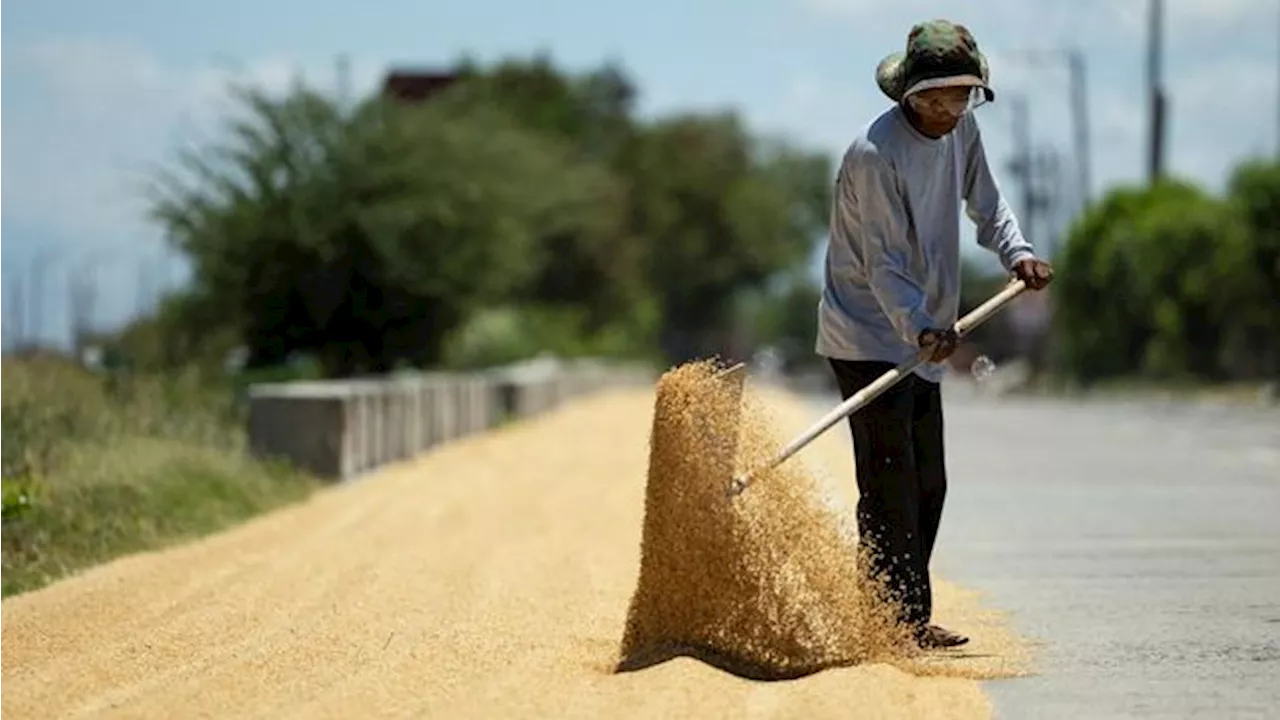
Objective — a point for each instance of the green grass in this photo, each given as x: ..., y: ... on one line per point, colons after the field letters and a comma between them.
x: 97, y: 466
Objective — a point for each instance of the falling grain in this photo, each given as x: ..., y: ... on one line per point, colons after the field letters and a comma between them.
x: 765, y: 584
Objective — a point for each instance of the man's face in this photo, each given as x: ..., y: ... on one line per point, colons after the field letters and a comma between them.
x: 940, y: 109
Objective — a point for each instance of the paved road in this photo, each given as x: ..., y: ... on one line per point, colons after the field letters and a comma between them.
x: 1140, y: 542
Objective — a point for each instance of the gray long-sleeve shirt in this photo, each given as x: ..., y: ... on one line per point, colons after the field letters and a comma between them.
x: 893, y: 255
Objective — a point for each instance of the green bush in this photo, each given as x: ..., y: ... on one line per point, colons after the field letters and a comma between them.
x: 1160, y: 283
x: 508, y: 334
x: 97, y: 466
x: 19, y: 492
x: 1254, y: 193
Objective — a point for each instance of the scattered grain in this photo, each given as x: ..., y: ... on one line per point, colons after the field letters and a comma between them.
x: 489, y: 579
x: 765, y: 584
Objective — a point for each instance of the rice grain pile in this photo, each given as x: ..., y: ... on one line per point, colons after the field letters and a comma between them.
x: 764, y: 585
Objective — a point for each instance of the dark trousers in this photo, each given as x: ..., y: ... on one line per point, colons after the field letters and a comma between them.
x: 902, y: 481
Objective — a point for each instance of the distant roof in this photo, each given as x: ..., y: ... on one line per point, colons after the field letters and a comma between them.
x: 415, y: 86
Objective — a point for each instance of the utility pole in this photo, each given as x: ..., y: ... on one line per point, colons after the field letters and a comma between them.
x: 343, y: 68
x: 34, y: 325
x: 1080, y: 120
x: 1155, y: 33
x: 17, y: 320
x: 145, y: 290
x: 1078, y: 100
x: 81, y: 295
x: 1048, y: 197
x: 1023, y: 162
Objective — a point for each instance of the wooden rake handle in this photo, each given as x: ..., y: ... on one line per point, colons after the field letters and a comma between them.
x: 856, y: 401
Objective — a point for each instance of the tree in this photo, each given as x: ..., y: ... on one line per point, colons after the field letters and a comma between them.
x: 787, y: 319
x: 1146, y: 285
x: 1254, y: 192
x: 187, y: 329
x: 718, y: 216
x: 375, y: 234
x: 596, y: 266
x: 367, y: 235
x: 707, y: 210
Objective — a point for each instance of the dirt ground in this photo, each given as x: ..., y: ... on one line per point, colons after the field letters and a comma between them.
x: 490, y: 578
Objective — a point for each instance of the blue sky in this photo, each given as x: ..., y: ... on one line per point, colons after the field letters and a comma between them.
x: 97, y: 93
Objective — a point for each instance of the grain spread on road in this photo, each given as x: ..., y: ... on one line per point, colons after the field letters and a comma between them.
x: 493, y: 578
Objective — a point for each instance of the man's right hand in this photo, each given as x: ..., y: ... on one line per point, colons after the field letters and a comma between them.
x: 943, y: 342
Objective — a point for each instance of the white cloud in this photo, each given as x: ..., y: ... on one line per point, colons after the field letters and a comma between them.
x: 1221, y: 113
x: 97, y: 118
x: 89, y: 122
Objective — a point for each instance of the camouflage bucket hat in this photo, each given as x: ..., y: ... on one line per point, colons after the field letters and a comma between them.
x: 939, y: 53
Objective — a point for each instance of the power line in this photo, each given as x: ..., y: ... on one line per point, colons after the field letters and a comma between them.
x: 1022, y: 162
x: 1078, y: 100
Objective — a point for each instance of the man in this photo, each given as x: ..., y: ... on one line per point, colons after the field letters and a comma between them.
x: 892, y: 290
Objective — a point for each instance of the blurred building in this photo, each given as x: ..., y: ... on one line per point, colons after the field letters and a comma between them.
x: 1029, y: 320
x: 410, y: 86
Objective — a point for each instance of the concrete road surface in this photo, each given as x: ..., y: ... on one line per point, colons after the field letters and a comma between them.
x: 1138, y: 541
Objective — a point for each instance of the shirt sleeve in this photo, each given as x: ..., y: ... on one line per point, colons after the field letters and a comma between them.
x: 985, y: 205
x: 870, y: 201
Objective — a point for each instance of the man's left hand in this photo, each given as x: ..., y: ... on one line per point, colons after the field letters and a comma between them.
x: 1035, y: 272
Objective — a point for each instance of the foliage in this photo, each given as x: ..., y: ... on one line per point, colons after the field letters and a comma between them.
x: 594, y: 267
x: 504, y: 335
x: 1170, y: 283
x: 710, y: 211
x: 370, y: 235
x: 719, y: 218
x: 787, y: 320
x: 1254, y: 194
x: 98, y: 466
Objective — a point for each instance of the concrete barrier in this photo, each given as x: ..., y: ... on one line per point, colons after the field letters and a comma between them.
x: 343, y: 428
x: 304, y: 423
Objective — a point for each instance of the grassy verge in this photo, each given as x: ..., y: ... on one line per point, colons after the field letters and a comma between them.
x: 96, y: 467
